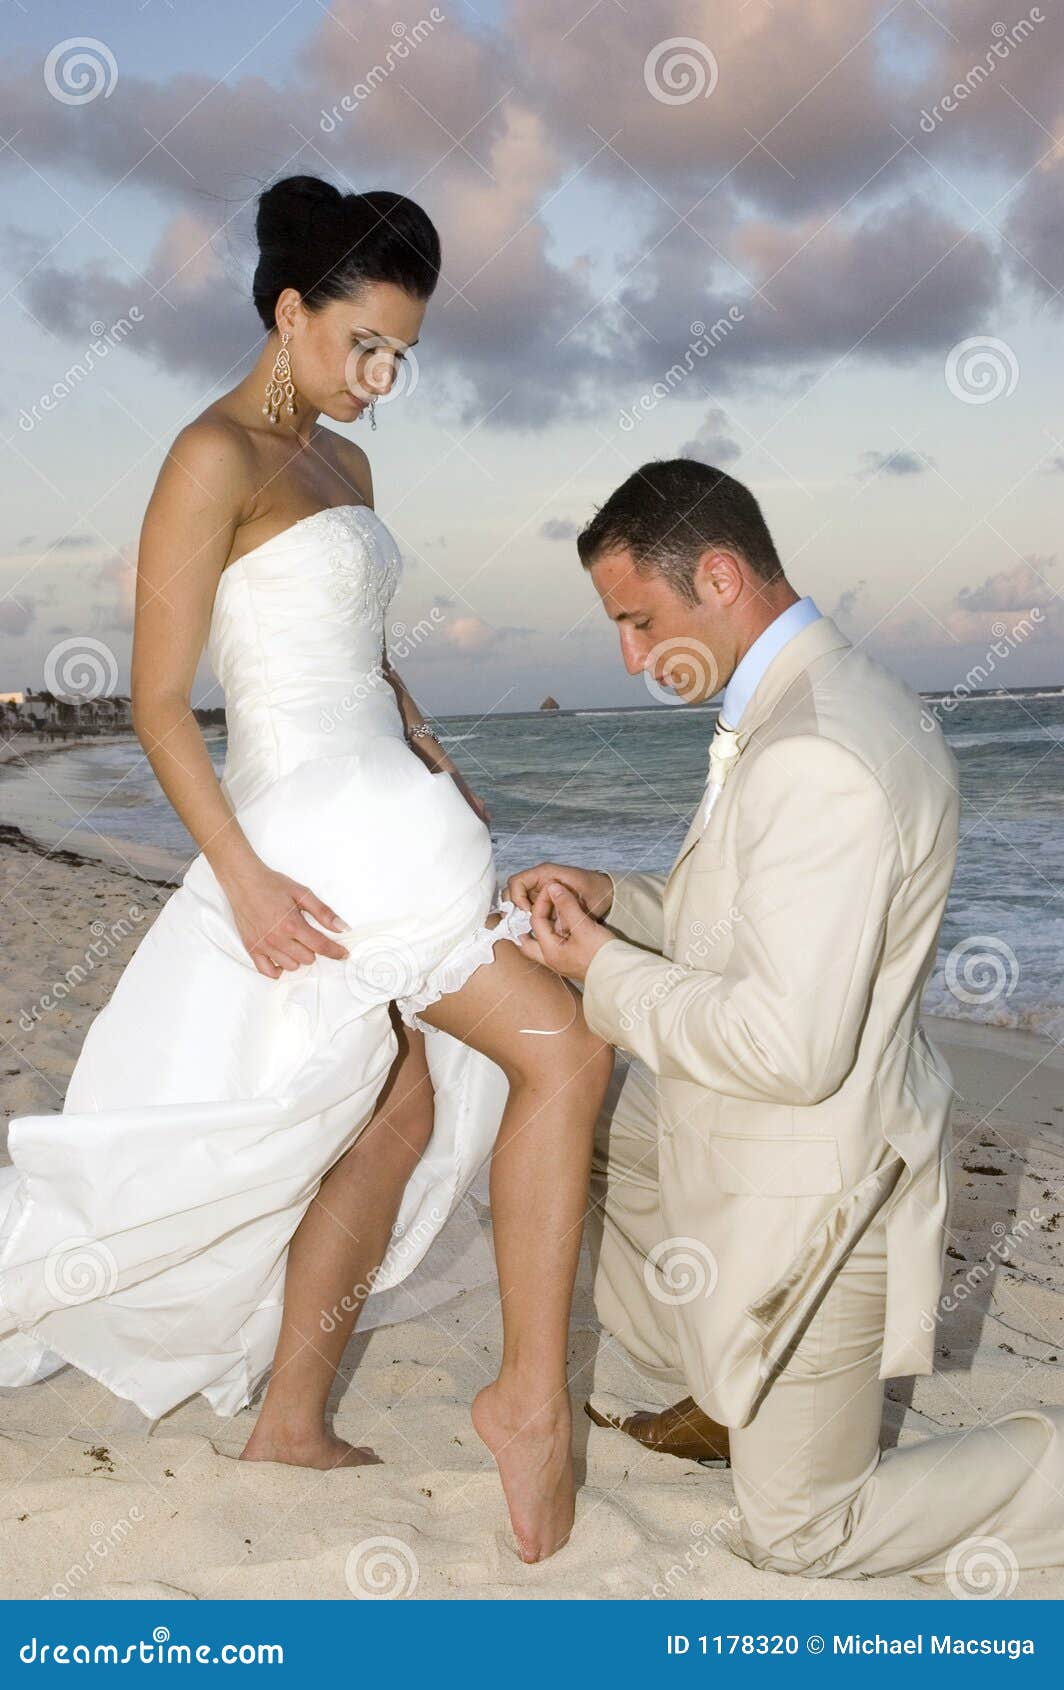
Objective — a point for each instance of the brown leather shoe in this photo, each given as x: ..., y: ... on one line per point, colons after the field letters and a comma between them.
x: 682, y: 1430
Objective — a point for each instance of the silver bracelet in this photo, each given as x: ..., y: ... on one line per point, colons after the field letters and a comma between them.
x: 422, y: 731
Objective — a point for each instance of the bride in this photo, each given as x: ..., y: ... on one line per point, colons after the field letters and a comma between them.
x: 332, y: 1023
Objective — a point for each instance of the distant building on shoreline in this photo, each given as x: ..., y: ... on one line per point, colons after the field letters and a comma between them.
x: 64, y: 716
x: 78, y: 716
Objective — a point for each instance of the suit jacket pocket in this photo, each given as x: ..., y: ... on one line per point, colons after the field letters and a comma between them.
x: 745, y: 1166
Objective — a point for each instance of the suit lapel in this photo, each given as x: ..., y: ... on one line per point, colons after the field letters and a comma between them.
x: 814, y: 641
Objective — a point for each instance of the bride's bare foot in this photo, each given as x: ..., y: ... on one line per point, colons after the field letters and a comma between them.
x: 534, y: 1454
x: 319, y: 1449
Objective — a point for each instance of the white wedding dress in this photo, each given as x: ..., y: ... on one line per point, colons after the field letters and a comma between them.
x: 144, y: 1230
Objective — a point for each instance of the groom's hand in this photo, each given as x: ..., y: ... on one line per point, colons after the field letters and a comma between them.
x: 565, y: 936
x: 595, y: 890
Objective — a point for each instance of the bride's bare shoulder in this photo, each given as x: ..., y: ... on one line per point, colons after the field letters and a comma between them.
x: 212, y: 458
x: 205, y: 482
x: 214, y: 440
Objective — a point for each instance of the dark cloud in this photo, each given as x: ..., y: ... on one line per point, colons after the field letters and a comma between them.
x: 899, y: 462
x: 802, y: 193
x: 1018, y: 588
x: 17, y: 615
x: 1036, y: 229
x: 713, y: 444
x: 848, y: 601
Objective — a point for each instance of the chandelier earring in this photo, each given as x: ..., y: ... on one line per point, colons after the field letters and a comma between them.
x: 280, y: 389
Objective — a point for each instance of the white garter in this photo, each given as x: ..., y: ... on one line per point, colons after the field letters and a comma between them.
x: 453, y: 972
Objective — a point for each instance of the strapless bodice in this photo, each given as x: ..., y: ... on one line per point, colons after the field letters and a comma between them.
x: 296, y: 639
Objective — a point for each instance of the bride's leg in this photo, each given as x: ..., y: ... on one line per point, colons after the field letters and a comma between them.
x: 529, y: 1021
x: 332, y: 1258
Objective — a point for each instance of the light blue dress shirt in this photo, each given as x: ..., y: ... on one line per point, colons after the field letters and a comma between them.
x: 769, y: 643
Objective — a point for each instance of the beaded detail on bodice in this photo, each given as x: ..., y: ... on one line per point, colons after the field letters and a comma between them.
x: 366, y: 573
x: 296, y: 639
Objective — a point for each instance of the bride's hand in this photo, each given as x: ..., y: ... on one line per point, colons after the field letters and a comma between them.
x: 268, y: 909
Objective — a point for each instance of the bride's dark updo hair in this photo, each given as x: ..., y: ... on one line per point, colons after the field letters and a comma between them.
x: 328, y: 245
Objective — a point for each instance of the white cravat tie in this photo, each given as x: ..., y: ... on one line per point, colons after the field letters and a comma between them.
x: 723, y: 753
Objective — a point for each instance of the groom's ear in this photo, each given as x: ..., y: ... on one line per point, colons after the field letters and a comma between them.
x: 718, y: 577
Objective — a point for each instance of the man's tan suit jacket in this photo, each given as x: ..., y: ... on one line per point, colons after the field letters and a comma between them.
x: 772, y: 982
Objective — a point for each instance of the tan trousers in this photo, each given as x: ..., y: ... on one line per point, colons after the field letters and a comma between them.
x: 815, y: 1494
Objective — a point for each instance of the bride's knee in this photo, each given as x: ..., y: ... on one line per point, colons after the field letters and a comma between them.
x: 400, y: 1127
x: 562, y: 1052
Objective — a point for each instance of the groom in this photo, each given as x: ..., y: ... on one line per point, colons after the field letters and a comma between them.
x: 769, y: 1185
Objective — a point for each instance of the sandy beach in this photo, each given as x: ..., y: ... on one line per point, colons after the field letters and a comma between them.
x: 151, y: 862
x: 95, y: 1507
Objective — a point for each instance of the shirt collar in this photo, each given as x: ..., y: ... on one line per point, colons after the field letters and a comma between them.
x: 752, y: 665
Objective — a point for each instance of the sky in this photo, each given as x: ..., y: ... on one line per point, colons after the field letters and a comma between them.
x: 817, y: 243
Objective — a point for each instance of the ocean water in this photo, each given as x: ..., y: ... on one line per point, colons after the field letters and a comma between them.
x: 617, y: 788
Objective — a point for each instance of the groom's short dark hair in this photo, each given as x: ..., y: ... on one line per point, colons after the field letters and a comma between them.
x: 672, y: 510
